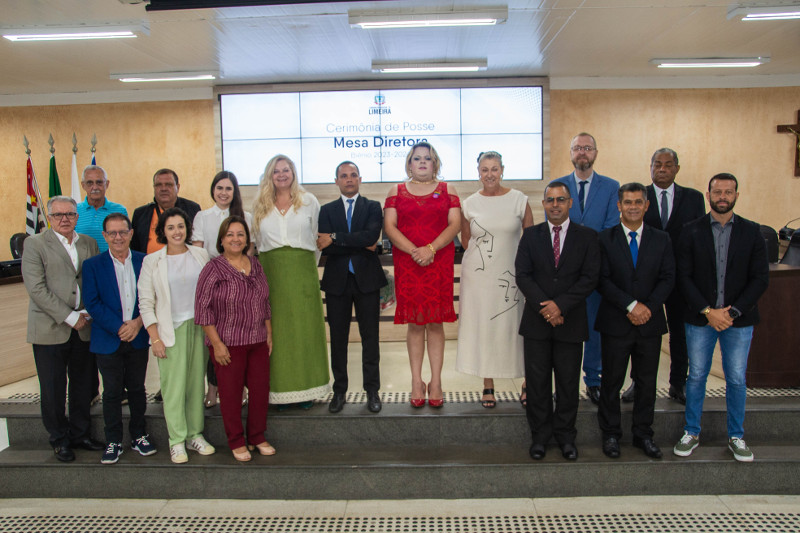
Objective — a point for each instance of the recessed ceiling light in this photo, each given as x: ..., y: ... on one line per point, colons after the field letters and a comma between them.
x: 163, y: 76
x: 710, y: 62
x: 429, y: 67
x: 785, y: 12
x: 74, y: 33
x: 433, y: 19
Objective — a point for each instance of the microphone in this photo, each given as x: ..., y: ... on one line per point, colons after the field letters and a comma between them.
x: 786, y: 232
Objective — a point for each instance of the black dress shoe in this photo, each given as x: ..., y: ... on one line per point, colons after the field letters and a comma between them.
x: 537, y: 451
x: 678, y: 394
x: 569, y: 451
x: 89, y: 444
x: 64, y: 454
x: 611, y: 447
x: 627, y: 396
x: 374, y: 402
x: 337, y: 403
x: 594, y: 394
x: 648, y: 446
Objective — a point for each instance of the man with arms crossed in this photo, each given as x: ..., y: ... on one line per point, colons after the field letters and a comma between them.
x: 594, y: 204
x: 722, y: 272
x: 637, y: 275
x: 348, y: 230
x: 58, y: 327
x: 557, y: 265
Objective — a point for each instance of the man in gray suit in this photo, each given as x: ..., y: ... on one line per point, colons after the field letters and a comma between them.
x: 58, y: 327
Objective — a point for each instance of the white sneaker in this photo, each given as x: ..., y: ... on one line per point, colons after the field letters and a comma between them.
x: 200, y: 445
x: 177, y: 453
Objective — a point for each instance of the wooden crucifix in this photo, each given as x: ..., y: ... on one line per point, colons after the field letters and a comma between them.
x: 795, y: 129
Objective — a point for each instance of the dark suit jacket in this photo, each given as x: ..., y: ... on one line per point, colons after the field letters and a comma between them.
x: 102, y: 299
x: 568, y: 285
x: 687, y: 205
x: 366, y: 227
x: 650, y: 283
x: 143, y: 215
x: 746, y: 274
x: 50, y: 277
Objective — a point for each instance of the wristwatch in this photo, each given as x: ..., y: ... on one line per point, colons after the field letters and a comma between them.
x: 333, y: 237
x: 734, y: 313
x: 706, y: 310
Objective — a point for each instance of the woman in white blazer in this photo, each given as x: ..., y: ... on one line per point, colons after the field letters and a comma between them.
x: 167, y: 286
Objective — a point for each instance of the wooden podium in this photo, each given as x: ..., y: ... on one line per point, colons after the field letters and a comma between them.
x: 775, y: 351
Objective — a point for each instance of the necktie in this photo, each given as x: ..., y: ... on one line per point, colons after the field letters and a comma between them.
x: 349, y: 220
x: 634, y: 248
x: 664, y: 210
x: 556, y: 244
x: 581, y: 194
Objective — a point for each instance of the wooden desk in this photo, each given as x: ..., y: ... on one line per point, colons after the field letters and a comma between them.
x: 775, y: 351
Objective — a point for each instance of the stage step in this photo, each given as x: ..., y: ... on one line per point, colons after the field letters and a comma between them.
x: 460, y: 451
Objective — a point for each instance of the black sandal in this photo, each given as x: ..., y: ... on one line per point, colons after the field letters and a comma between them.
x: 523, y: 401
x: 488, y: 404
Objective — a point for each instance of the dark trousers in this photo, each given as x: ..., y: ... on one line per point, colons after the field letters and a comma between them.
x: 543, y: 359
x: 55, y: 363
x: 211, y: 375
x: 123, y: 369
x: 643, y: 353
x: 679, y: 356
x: 249, y: 366
x: 340, y: 312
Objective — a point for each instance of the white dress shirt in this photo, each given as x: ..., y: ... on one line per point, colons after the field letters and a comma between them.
x: 126, y: 282
x: 345, y: 199
x: 72, y: 251
x: 585, y: 187
x: 670, y: 197
x: 627, y: 232
x: 562, y: 234
x: 206, y: 225
x: 297, y: 229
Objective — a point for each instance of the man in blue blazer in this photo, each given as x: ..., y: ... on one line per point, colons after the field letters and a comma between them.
x: 349, y: 228
x: 119, y: 341
x: 594, y: 205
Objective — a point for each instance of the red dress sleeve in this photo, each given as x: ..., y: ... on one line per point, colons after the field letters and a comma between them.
x: 391, y: 201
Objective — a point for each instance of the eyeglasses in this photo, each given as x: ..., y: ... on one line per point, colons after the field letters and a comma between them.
x: 583, y: 148
x: 557, y: 200
x: 59, y: 216
x: 113, y: 234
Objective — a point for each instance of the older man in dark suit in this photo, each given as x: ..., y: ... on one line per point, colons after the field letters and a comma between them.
x: 349, y: 229
x: 671, y: 207
x: 557, y: 265
x: 722, y: 272
x: 58, y: 327
x: 637, y: 275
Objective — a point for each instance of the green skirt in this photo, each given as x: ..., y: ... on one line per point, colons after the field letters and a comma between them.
x: 298, y: 369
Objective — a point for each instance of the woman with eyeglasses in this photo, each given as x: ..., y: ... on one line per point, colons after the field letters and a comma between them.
x: 490, y: 305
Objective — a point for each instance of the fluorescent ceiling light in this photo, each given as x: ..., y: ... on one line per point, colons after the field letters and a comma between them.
x: 164, y: 76
x: 786, y: 12
x: 425, y: 67
x: 710, y: 62
x: 415, y: 19
x: 73, y: 33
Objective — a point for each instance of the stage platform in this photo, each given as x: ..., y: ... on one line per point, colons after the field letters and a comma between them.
x: 460, y: 451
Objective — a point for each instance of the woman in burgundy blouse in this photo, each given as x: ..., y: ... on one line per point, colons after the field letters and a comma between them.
x: 232, y: 305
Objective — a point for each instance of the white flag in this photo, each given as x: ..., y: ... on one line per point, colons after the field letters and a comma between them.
x: 76, y: 182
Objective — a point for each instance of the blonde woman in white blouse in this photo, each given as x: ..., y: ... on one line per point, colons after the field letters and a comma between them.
x: 285, y: 223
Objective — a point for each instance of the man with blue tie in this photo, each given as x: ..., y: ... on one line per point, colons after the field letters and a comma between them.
x: 594, y: 206
x: 119, y: 341
x: 349, y: 229
x: 636, y: 277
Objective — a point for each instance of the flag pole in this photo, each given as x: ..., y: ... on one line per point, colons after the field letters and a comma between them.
x: 42, y: 205
x: 94, y: 147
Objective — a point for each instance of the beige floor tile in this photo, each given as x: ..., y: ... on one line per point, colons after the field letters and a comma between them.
x: 79, y: 507
x: 440, y: 508
x: 762, y: 504
x: 628, y: 505
x: 255, y: 508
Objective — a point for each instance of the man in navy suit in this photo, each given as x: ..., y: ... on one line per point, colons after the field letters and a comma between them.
x: 557, y: 265
x: 349, y: 229
x: 722, y: 272
x: 119, y: 341
x: 636, y: 277
x: 671, y: 208
x: 594, y: 204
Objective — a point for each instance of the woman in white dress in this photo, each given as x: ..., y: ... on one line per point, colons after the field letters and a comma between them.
x: 490, y: 305
x: 205, y: 229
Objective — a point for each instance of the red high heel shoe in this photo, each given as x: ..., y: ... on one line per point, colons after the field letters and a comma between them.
x: 419, y: 402
x: 433, y: 402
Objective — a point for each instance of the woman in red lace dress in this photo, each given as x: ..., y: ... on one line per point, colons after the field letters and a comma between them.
x: 421, y: 218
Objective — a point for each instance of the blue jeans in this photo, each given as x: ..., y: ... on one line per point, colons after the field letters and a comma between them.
x: 735, y: 346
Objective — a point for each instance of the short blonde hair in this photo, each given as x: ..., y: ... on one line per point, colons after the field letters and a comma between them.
x: 437, y: 163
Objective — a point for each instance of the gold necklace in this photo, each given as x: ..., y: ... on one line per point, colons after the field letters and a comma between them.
x: 416, y: 181
x: 242, y: 270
